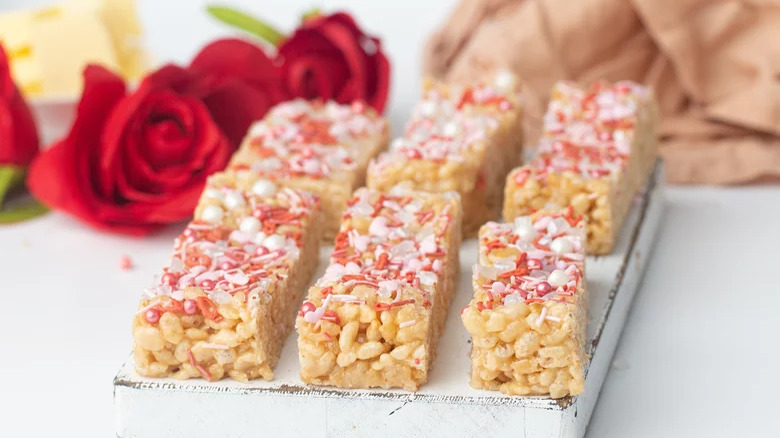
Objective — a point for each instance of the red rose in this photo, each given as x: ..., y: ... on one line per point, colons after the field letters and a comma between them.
x: 18, y: 137
x: 330, y: 57
x: 249, y: 84
x: 135, y: 161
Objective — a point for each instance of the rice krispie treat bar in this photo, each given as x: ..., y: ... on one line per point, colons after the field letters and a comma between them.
x: 227, y: 301
x: 374, y: 318
x: 460, y: 138
x: 323, y: 148
x: 528, y: 315
x: 598, y: 151
x: 623, y: 114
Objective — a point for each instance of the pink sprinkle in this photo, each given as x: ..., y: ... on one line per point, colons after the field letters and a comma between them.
x: 125, y: 263
x: 360, y: 243
x: 190, y: 308
x: 407, y: 323
x: 378, y: 227
x: 414, y: 265
x: 428, y: 245
x: 497, y: 288
x: 152, y: 316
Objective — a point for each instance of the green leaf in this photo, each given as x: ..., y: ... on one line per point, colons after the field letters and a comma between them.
x: 247, y: 23
x: 22, y: 212
x: 11, y: 176
x: 311, y: 13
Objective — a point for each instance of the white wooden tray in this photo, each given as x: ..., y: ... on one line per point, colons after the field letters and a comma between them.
x: 445, y: 406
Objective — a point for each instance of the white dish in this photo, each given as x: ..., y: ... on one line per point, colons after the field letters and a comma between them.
x: 445, y: 406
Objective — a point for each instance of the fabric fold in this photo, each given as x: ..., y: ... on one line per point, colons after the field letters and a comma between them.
x: 713, y: 64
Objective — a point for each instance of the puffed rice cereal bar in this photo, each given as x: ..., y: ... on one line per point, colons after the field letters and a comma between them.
x: 459, y: 138
x: 598, y: 151
x: 374, y: 318
x: 527, y: 319
x: 227, y: 301
x: 321, y: 147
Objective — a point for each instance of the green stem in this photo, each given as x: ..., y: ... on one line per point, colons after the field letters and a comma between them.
x: 247, y: 23
x: 10, y: 177
x: 312, y: 13
x: 22, y: 212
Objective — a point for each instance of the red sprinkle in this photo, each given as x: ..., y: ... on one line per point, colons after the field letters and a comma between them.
x: 515, y: 272
x: 381, y: 262
x: 401, y: 303
x: 125, y: 263
x: 413, y: 154
x: 307, y: 307
x: 169, y: 279
x: 539, y: 245
x: 381, y: 307
x: 208, y: 308
x: 494, y: 244
x: 426, y: 216
x: 331, y: 316
x: 173, y: 306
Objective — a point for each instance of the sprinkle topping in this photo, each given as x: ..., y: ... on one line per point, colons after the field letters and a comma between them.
x: 588, y: 132
x: 602, y: 113
x: 388, y: 241
x: 530, y: 267
x: 445, y: 125
x: 308, y: 139
x: 221, y: 259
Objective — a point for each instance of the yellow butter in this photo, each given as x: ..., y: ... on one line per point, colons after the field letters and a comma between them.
x: 49, y: 48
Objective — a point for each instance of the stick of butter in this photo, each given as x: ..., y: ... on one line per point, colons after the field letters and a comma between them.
x: 49, y: 48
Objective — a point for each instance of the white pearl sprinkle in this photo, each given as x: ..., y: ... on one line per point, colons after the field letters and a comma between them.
x: 450, y: 129
x: 234, y: 200
x: 561, y: 245
x: 274, y: 242
x: 427, y: 108
x: 557, y: 278
x: 378, y: 227
x: 505, y: 80
x: 212, y: 214
x: 524, y: 228
x: 260, y: 238
x: 263, y: 187
x: 213, y: 193
x: 249, y: 224
x: 398, y: 143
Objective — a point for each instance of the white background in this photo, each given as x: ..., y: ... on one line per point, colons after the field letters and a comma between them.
x: 698, y: 358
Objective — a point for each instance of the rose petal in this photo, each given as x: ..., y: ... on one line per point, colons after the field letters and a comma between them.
x: 18, y: 135
x: 326, y: 57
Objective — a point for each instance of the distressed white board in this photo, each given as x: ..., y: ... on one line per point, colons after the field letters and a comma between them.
x: 445, y: 406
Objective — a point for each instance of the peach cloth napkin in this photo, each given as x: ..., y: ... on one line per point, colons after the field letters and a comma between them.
x: 715, y: 66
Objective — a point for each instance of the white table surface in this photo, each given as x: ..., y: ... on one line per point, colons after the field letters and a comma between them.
x: 698, y: 357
